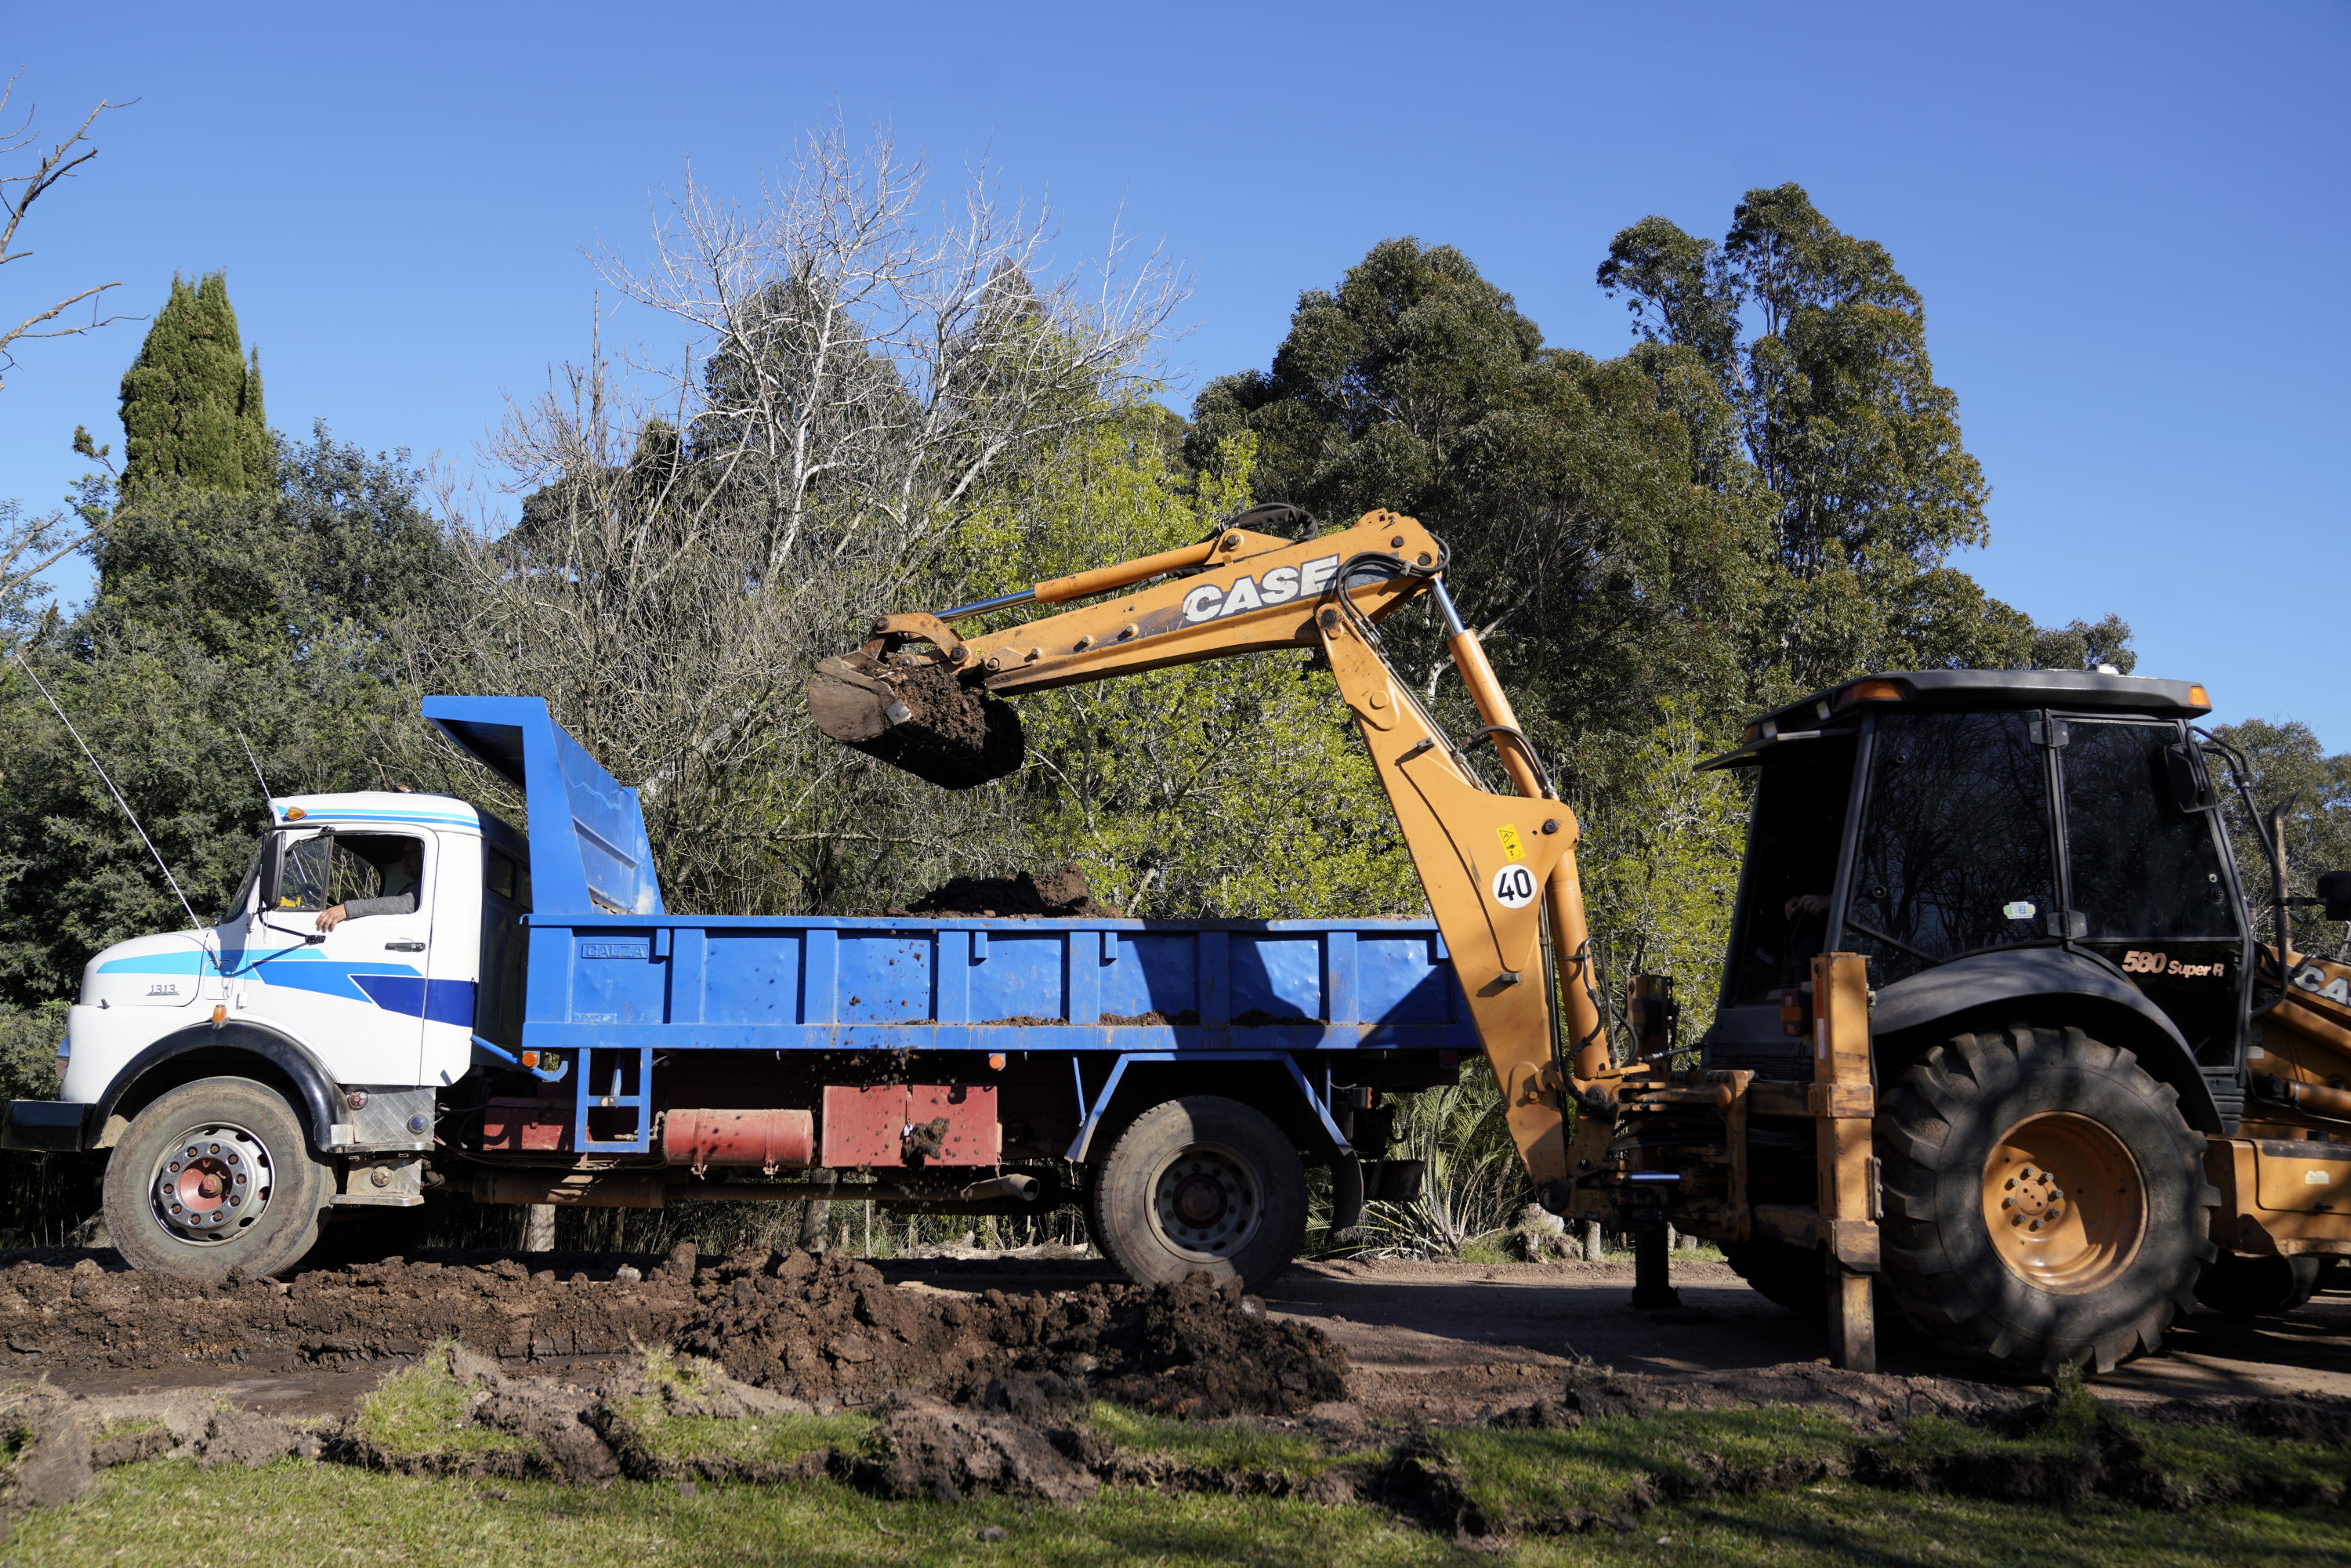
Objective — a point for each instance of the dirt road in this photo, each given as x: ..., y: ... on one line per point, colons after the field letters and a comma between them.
x: 1443, y: 1342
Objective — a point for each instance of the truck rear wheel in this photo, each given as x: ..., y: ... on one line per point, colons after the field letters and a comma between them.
x: 2045, y: 1201
x: 1201, y: 1185
x: 214, y: 1175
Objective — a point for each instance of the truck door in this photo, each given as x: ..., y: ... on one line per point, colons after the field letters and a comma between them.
x: 2146, y: 885
x: 356, y: 996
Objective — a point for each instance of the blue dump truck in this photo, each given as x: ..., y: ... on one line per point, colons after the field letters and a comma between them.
x: 409, y: 1000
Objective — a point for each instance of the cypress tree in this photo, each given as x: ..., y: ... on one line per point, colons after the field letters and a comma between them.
x: 192, y: 402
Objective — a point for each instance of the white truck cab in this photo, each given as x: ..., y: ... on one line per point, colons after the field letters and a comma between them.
x: 347, y: 1031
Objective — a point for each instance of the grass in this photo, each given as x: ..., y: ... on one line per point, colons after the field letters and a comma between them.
x: 298, y: 1513
x: 1231, y: 1444
x: 1527, y: 1476
x: 781, y: 1439
x: 422, y: 1410
x: 308, y: 1514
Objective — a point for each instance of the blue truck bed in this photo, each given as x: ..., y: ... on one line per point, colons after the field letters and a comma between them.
x: 613, y: 980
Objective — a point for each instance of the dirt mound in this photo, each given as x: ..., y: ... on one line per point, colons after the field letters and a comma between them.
x: 828, y: 1329
x: 1062, y: 894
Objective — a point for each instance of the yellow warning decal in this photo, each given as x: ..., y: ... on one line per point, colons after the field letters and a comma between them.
x: 1511, y: 849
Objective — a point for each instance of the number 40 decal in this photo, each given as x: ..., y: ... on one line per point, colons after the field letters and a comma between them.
x: 1514, y: 887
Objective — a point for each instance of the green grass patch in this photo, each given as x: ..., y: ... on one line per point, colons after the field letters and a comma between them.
x: 1519, y: 1476
x: 310, y: 1514
x: 1226, y: 1445
x: 779, y: 1439
x: 1837, y: 1524
x: 423, y: 1409
x: 2074, y: 1440
x: 305, y: 1513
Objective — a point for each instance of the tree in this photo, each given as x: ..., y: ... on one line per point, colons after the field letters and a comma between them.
x: 268, y: 621
x: 18, y: 192
x: 861, y: 378
x: 1235, y: 787
x: 1608, y: 579
x: 191, y: 412
x: 2286, y: 768
x: 1819, y: 344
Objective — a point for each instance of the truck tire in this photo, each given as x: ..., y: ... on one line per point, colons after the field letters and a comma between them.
x: 1200, y: 1185
x: 1795, y: 1278
x: 2244, y: 1287
x: 214, y: 1175
x: 2045, y: 1201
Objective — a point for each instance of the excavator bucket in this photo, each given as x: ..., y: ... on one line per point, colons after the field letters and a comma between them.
x: 916, y: 717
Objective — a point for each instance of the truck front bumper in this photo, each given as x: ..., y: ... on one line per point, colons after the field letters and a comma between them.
x: 45, y: 1126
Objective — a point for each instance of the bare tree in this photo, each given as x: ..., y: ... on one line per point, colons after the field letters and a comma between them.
x: 861, y: 376
x: 18, y: 192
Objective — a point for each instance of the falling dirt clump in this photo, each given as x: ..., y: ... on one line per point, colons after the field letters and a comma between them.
x: 1057, y: 895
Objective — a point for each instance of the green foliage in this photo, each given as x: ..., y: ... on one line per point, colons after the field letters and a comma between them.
x: 2286, y: 768
x: 1235, y: 788
x: 192, y: 411
x: 268, y: 618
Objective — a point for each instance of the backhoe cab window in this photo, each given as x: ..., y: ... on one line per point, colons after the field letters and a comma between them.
x: 1955, y: 853
x: 2144, y: 870
x: 1798, y: 831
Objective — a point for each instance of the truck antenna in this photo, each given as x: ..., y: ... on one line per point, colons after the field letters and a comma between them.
x: 194, y: 924
x: 249, y: 757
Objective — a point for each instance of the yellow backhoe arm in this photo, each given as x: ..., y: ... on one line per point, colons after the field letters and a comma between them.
x: 1494, y: 866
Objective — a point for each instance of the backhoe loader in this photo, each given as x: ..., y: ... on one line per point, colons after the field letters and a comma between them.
x: 1996, y: 1047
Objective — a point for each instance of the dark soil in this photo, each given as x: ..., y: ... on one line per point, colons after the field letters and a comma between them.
x: 920, y: 718
x: 828, y: 1329
x: 1064, y: 894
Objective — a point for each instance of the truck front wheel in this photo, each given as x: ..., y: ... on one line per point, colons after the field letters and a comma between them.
x: 2045, y: 1201
x: 1200, y: 1185
x: 214, y: 1175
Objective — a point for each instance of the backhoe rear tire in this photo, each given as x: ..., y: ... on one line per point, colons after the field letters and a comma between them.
x: 2045, y: 1201
x: 2243, y: 1287
x: 214, y: 1175
x: 1200, y: 1185
x: 1795, y: 1278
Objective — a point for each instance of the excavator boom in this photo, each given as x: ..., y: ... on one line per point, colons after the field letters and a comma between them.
x: 1495, y: 867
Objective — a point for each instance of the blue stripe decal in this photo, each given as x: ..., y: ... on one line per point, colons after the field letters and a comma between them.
x: 434, y: 1001
x: 331, y: 814
x: 158, y: 964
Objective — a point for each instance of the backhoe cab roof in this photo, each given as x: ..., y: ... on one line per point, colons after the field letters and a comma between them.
x: 1841, y: 707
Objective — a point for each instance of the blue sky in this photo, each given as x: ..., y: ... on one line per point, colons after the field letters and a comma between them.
x: 2128, y: 222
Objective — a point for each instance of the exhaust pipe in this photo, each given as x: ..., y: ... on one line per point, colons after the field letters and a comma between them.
x: 1023, y: 1187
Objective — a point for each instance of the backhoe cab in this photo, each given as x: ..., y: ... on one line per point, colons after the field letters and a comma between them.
x: 1994, y: 1043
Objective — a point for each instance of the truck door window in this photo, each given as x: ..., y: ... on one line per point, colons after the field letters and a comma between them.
x: 321, y: 872
x: 2143, y: 870
x: 1955, y: 852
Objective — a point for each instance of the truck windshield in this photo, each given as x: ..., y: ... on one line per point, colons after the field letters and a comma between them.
x: 1956, y: 852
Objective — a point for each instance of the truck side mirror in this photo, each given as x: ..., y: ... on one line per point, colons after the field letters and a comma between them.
x: 2192, y: 790
x: 273, y: 866
x: 273, y: 861
x: 2334, y: 892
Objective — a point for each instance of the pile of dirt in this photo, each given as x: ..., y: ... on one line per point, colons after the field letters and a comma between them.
x: 920, y: 717
x: 1064, y: 894
x: 828, y: 1329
